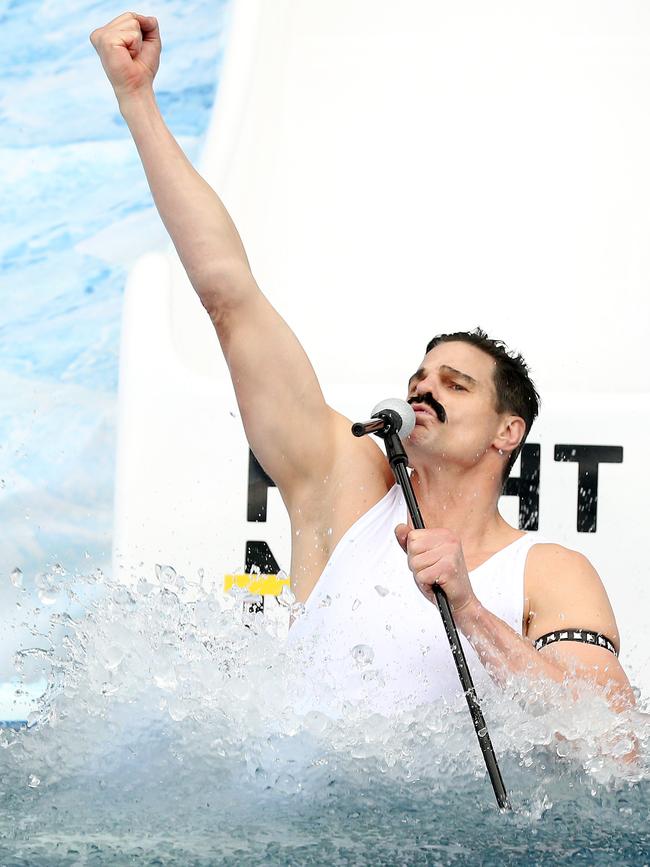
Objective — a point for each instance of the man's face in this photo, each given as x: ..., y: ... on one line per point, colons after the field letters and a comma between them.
x: 460, y: 378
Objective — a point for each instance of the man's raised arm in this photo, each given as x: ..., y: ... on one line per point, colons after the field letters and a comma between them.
x: 276, y: 387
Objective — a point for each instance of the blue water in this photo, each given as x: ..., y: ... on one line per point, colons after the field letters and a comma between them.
x: 166, y: 734
x: 70, y: 178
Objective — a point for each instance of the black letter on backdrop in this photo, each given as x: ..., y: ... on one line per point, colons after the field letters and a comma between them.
x: 258, y: 552
x: 588, y: 458
x: 526, y: 487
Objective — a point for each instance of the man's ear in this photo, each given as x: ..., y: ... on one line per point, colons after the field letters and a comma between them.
x: 510, y: 434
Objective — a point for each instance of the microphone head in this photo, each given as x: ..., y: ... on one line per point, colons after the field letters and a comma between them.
x: 403, y: 409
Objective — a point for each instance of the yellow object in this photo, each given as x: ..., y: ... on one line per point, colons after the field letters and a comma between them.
x: 258, y: 584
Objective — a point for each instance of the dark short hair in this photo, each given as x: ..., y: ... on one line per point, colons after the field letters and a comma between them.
x: 515, y: 390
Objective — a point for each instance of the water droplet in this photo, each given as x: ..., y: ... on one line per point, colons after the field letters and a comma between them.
x: 325, y: 602
x: 165, y: 573
x: 286, y: 597
x: 3, y: 484
x: 329, y: 531
x: 16, y: 577
x: 482, y: 732
x: 95, y: 576
x: 112, y: 656
x: 144, y: 587
x: 383, y: 591
x: 297, y: 610
x: 362, y: 654
x: 356, y: 604
x: 33, y: 781
x: 46, y: 588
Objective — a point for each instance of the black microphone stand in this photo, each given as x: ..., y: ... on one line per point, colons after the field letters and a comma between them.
x: 398, y: 460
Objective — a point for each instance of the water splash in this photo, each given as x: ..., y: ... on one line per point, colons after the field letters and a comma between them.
x: 162, y: 708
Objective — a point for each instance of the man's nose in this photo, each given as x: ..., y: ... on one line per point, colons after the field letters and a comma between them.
x: 424, y: 387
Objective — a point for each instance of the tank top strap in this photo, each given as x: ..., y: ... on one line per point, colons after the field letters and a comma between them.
x: 513, y: 557
x: 518, y: 553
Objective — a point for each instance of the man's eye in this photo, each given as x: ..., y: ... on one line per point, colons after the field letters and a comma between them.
x: 457, y: 387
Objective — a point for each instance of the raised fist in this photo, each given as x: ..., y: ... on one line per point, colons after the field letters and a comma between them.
x: 129, y: 49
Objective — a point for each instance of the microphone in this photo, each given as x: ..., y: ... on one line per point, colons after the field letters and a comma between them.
x: 392, y: 415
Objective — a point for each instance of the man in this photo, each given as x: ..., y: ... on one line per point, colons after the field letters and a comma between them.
x: 467, y: 434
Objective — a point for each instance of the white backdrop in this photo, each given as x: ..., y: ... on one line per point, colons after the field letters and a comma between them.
x: 394, y: 172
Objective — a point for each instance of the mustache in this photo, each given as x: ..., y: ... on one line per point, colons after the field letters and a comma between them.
x: 430, y: 401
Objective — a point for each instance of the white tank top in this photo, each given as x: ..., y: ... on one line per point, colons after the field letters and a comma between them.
x: 368, y: 634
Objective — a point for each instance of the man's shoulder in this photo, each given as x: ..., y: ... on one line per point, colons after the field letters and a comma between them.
x: 564, y: 589
x: 553, y: 560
